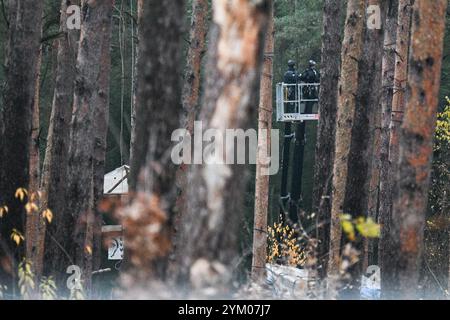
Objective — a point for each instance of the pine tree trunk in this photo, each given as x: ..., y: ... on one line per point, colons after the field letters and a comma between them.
x: 101, y: 116
x: 156, y: 94
x: 96, y: 20
x: 416, y: 142
x: 352, y: 49
x: 211, y: 225
x: 33, y: 237
x: 191, y: 88
x: 264, y: 143
x: 54, y: 170
x: 140, y: 4
x: 34, y: 144
x: 158, y: 116
x: 400, y: 80
x: 380, y: 162
x: 197, y: 46
x: 362, y: 156
x: 17, y: 114
x: 352, y: 57
x: 387, y: 250
x: 366, y: 126
x: 331, y: 53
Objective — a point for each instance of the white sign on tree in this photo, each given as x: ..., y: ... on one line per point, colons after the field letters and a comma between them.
x: 115, y: 250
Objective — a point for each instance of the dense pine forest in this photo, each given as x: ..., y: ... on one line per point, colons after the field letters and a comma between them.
x: 235, y: 149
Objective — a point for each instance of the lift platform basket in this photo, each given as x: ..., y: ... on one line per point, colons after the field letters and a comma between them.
x: 297, y: 102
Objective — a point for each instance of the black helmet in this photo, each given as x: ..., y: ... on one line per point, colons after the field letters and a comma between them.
x: 312, y: 63
x: 291, y: 63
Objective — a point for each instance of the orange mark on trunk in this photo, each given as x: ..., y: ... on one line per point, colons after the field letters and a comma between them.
x: 420, y: 161
x: 409, y: 241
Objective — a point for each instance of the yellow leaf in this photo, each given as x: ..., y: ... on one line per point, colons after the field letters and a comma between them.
x: 3, y: 211
x: 17, y: 237
x: 48, y: 215
x: 368, y: 228
x: 349, y: 230
x: 21, y: 193
x: 31, y: 207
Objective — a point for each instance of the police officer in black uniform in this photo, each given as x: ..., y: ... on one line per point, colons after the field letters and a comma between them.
x: 310, y: 75
x: 291, y: 77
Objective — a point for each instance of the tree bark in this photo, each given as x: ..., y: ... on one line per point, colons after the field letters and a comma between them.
x: 377, y: 191
x: 264, y: 143
x: 33, y: 236
x: 416, y: 142
x: 197, y: 46
x: 121, y: 34
x: 101, y: 116
x: 352, y: 49
x: 363, y: 159
x: 140, y: 4
x: 19, y: 98
x: 34, y: 144
x: 54, y: 175
x: 96, y: 20
x: 366, y: 125
x: 394, y: 119
x: 158, y: 116
x: 211, y: 225
x: 191, y: 88
x: 328, y: 97
x: 159, y: 93
x: 54, y: 171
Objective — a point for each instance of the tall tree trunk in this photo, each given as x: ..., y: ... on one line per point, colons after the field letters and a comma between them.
x: 34, y: 144
x: 416, y: 142
x: 140, y: 4
x: 34, y: 223
x: 365, y: 137
x: 101, y: 116
x: 155, y: 94
x: 122, y: 33
x: 96, y: 20
x: 211, y: 225
x: 380, y: 162
x: 191, y: 88
x: 197, y: 46
x: 152, y: 170
x: 54, y: 170
x: 330, y: 67
x: 264, y: 142
x: 352, y: 49
x: 21, y: 71
x: 387, y: 250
